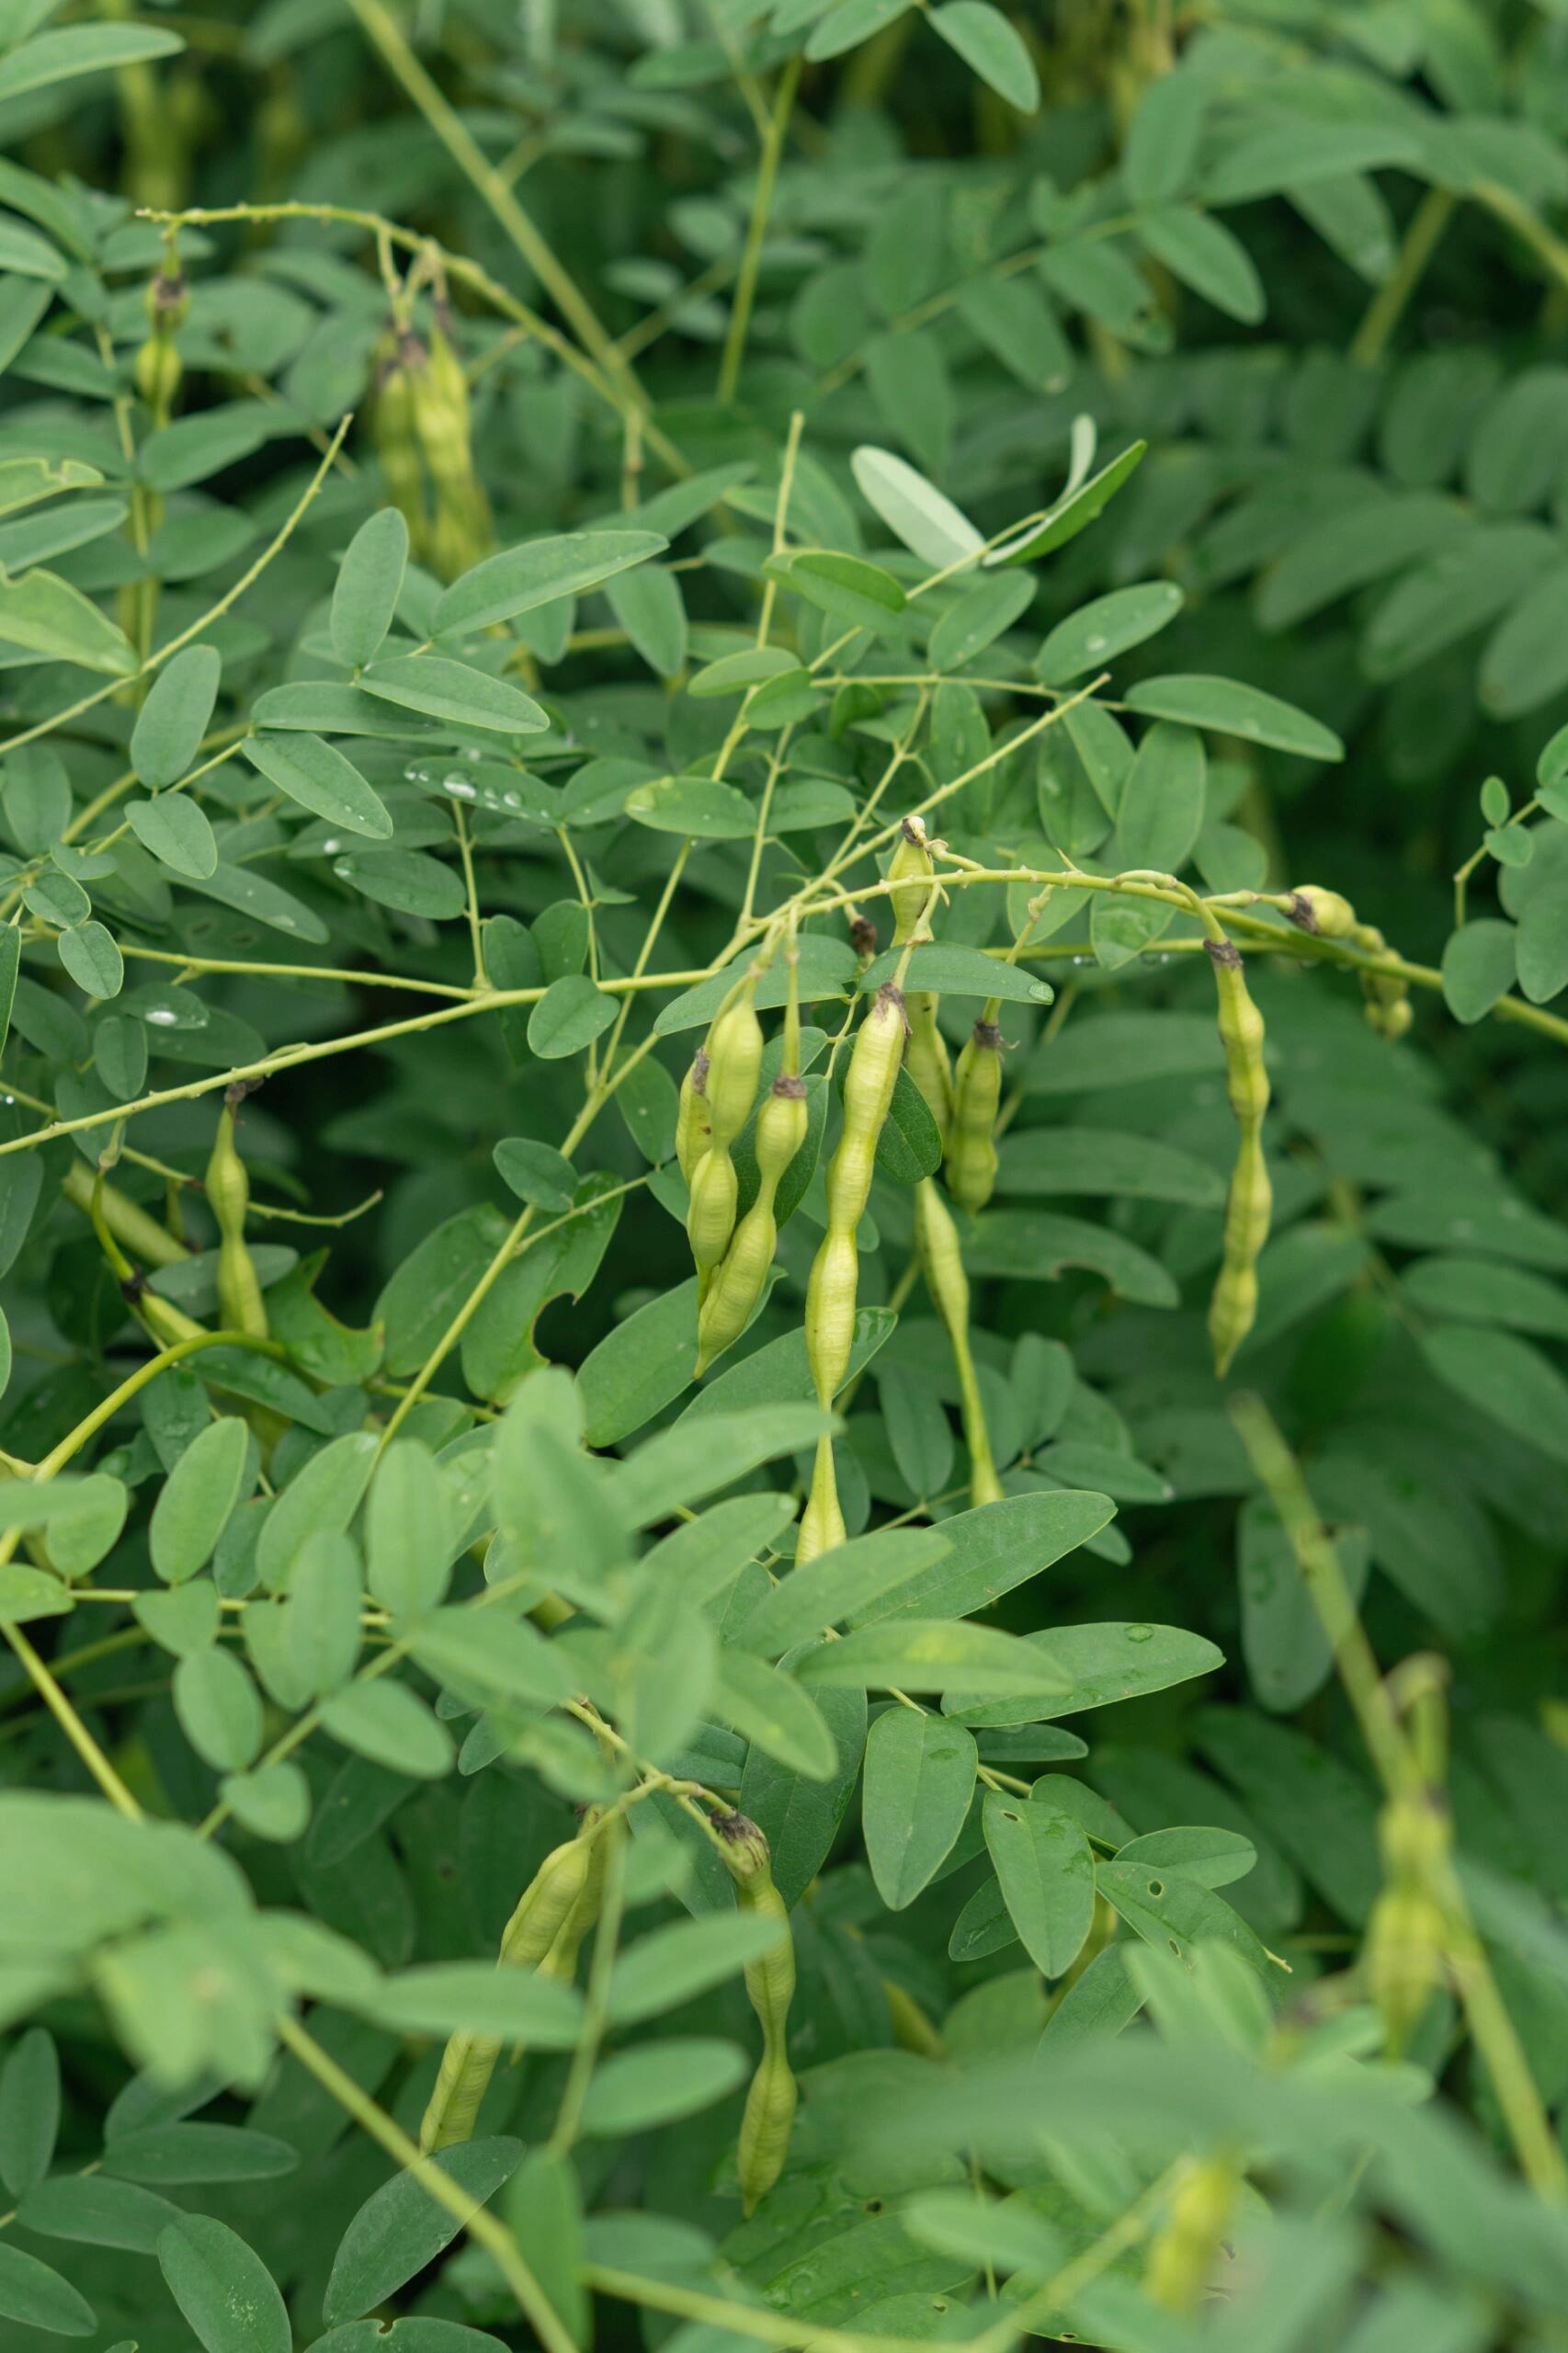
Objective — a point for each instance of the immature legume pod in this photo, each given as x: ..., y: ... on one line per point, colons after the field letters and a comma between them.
x: 1249, y: 1203
x: 833, y: 1282
x: 941, y: 1263
x: 970, y: 1166
x: 739, y: 1283
x: 469, y: 2060
x: 240, y: 1301
x: 1186, y: 2247
x: 770, y: 1984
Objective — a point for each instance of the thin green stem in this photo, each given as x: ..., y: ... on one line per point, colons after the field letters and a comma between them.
x: 1422, y: 238
x: 756, y: 228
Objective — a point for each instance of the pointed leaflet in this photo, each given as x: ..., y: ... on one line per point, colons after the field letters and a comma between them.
x: 919, y: 1782
x: 930, y: 525
x: 520, y: 579
x: 370, y: 581
x: 173, y: 719
x: 29, y: 2110
x: 1047, y: 1876
x: 223, y: 2288
x: 401, y: 2228
x: 315, y: 774
x: 193, y: 1506
x: 37, y: 2295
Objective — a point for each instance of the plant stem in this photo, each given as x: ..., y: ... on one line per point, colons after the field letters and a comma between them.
x: 756, y: 228
x: 1422, y: 238
x: 70, y: 1724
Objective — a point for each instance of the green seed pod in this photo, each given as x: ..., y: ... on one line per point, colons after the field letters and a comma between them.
x: 822, y: 1522
x: 926, y: 1061
x: 734, y: 1067
x: 461, y: 535
x: 1249, y: 1204
x: 469, y: 2060
x: 831, y: 1292
x: 780, y: 1128
x: 1184, y: 2251
x: 710, y: 1217
x: 911, y: 877
x: 1387, y: 994
x: 393, y: 432
x: 770, y: 1984
x: 763, y: 2142
x: 970, y: 1166
x: 156, y: 371
x: 240, y: 1301
x: 833, y: 1282
x: 1403, y: 1958
x: 737, y: 1286
x: 1322, y: 912
x: 941, y: 1263
x: 694, y: 1129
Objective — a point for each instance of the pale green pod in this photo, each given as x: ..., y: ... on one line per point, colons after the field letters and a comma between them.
x: 734, y: 1067
x: 831, y: 1292
x: 1249, y: 1202
x: 970, y: 1164
x: 710, y: 1217
x: 822, y: 1522
x: 694, y: 1129
x: 469, y: 2060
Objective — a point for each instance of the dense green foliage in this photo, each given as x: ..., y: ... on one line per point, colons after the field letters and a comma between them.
x: 918, y: 653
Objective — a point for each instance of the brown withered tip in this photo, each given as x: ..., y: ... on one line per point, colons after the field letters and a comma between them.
x: 734, y: 1827
x: 1223, y: 953
x: 790, y: 1088
x: 1300, y: 909
x: 235, y: 1092
x: 133, y: 1285
x: 988, y: 1034
x: 411, y: 352
x: 914, y: 832
x: 890, y: 994
x: 169, y: 290
x: 862, y: 934
x: 700, y: 1067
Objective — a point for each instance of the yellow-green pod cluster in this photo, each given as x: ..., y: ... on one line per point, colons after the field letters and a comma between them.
x: 941, y: 1263
x: 461, y: 534
x: 834, y: 1284
x: 1185, y: 2249
x: 399, y: 359
x: 1329, y: 916
x: 734, y: 1065
x: 240, y: 1302
x: 970, y: 1164
x: 738, y: 1285
x: 1250, y: 1201
x: 770, y: 1984
x: 555, y: 1911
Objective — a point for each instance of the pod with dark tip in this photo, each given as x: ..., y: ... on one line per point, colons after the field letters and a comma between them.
x: 770, y: 1984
